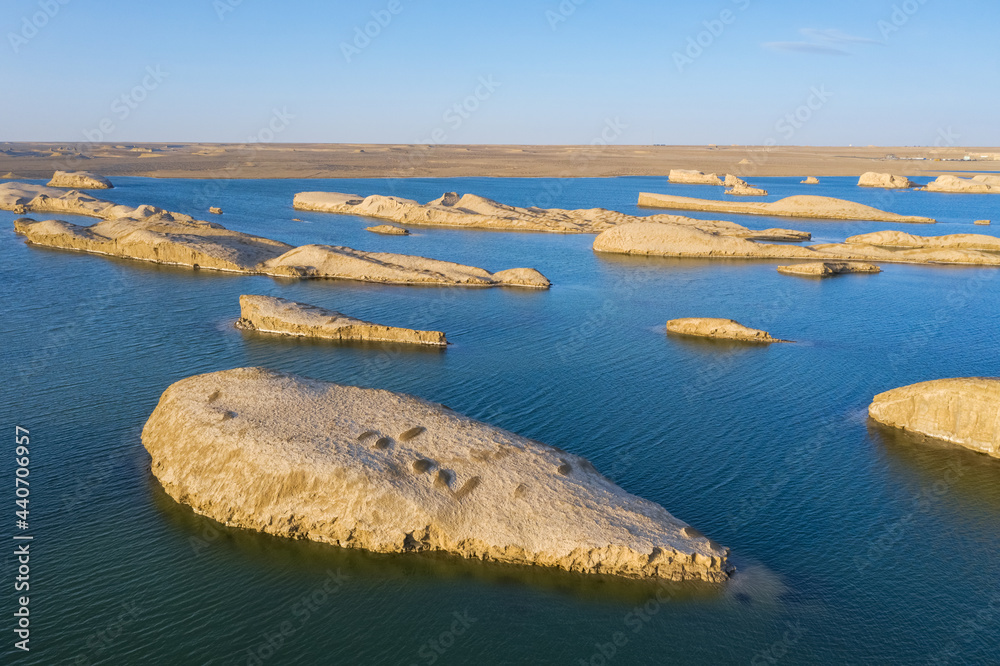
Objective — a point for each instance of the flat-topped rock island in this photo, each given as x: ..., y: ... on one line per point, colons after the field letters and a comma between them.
x: 388, y: 472
x: 269, y: 314
x: 805, y: 206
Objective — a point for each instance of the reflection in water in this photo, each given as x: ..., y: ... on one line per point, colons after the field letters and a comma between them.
x: 280, y: 554
x: 971, y: 477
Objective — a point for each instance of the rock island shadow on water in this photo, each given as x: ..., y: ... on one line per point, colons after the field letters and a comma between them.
x: 270, y: 553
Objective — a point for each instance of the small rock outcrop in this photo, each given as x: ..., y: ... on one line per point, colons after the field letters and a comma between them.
x: 740, y: 187
x: 215, y: 210
x: 810, y: 180
x: 824, y: 269
x: 388, y: 472
x: 955, y: 185
x: 388, y: 230
x: 964, y: 411
x: 885, y: 180
x: 721, y: 329
x: 80, y: 180
x: 693, y: 177
x: 802, y: 205
x: 269, y: 314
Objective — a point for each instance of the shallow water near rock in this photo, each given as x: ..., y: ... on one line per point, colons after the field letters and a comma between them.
x: 854, y: 544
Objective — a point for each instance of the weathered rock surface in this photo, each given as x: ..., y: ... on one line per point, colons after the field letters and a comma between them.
x: 666, y: 240
x: 83, y: 180
x: 723, y: 329
x: 147, y: 233
x: 804, y: 206
x: 884, y: 180
x: 956, y: 185
x: 693, y: 177
x: 810, y: 180
x: 215, y: 210
x: 964, y: 411
x: 278, y: 315
x: 470, y: 211
x: 388, y: 472
x: 388, y: 230
x: 330, y: 261
x: 827, y: 268
x: 902, y: 239
x: 739, y: 187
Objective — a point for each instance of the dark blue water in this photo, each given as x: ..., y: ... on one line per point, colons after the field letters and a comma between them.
x: 854, y: 545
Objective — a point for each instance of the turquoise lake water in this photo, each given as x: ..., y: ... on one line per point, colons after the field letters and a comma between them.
x: 852, y: 544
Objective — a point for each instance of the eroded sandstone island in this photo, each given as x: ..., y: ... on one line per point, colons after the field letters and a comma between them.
x: 801, y: 205
x: 82, y: 180
x: 388, y: 472
x: 270, y: 314
x: 719, y: 329
x: 147, y: 233
x: 964, y: 411
x: 984, y: 184
x: 671, y: 240
x: 824, y: 269
x: 470, y: 211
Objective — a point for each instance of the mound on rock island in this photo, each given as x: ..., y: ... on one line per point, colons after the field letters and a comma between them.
x: 147, y: 233
x: 470, y: 211
x: 720, y: 329
x: 269, y: 314
x: 388, y: 472
x: 803, y: 206
x: 82, y: 180
x: 964, y: 411
x: 693, y: 177
x: 884, y: 180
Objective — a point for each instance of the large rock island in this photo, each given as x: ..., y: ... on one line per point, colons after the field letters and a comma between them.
x: 964, y: 411
x: 269, y: 314
x: 147, y: 233
x: 470, y: 211
x: 956, y: 185
x: 802, y: 205
x: 667, y: 240
x: 388, y: 472
x: 720, y: 329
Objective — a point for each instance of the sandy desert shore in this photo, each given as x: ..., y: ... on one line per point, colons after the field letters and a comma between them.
x: 314, y: 160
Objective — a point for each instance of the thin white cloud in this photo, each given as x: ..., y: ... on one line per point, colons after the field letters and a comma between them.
x: 805, y: 47
x: 835, y: 36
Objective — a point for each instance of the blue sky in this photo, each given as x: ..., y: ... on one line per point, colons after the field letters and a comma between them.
x: 887, y: 72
